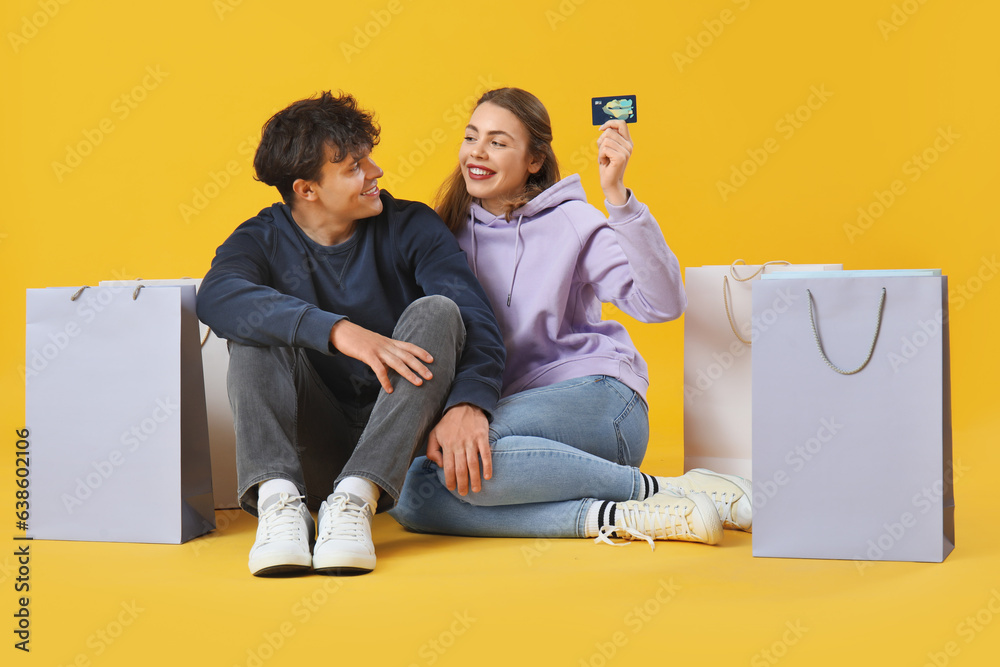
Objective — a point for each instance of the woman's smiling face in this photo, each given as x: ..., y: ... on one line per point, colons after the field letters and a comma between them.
x: 494, y: 156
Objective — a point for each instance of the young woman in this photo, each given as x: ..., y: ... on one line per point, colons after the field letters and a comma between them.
x: 572, y: 426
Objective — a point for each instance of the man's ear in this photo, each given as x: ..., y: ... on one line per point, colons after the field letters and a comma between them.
x: 304, y: 189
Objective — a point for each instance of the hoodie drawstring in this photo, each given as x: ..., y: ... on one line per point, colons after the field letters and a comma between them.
x: 517, y: 246
x: 472, y: 223
x: 513, y: 271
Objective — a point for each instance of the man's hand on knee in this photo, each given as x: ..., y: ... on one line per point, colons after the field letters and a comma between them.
x: 458, y: 443
x: 382, y: 354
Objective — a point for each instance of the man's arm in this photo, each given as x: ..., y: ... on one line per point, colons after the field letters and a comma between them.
x: 461, y: 439
x: 457, y: 444
x: 381, y: 354
x: 236, y: 299
x: 237, y: 302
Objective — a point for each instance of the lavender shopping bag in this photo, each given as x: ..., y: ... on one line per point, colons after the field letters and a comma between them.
x: 852, y: 417
x: 115, y: 403
x: 221, y: 433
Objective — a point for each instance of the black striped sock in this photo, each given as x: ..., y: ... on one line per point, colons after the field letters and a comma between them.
x: 649, y: 486
x: 606, y: 515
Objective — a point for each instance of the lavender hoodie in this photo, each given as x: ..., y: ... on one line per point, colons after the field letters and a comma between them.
x: 547, y: 271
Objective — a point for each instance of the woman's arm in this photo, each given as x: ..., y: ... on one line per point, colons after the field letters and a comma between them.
x: 628, y: 262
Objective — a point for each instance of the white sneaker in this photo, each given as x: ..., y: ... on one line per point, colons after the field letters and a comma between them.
x: 284, y: 535
x: 344, y: 545
x: 668, y: 515
x: 732, y: 495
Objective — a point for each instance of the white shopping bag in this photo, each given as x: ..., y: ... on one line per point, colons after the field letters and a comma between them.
x: 852, y: 418
x: 115, y: 404
x: 718, y: 334
x: 221, y: 434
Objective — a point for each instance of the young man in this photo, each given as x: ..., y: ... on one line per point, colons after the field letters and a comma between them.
x: 357, y: 333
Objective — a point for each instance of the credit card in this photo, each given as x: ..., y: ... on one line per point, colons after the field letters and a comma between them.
x: 621, y: 107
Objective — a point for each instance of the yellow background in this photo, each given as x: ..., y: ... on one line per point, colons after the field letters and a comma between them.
x: 80, y: 77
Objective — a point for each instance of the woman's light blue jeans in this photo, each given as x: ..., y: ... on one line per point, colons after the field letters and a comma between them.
x: 555, y: 450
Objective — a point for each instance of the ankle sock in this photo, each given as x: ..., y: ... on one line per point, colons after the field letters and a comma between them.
x: 600, y: 514
x: 273, y: 487
x: 366, y: 489
x: 650, y: 486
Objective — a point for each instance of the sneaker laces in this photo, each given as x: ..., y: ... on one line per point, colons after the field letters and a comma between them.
x: 344, y: 520
x: 604, y: 535
x: 638, y: 513
x: 723, y: 505
x: 282, y: 520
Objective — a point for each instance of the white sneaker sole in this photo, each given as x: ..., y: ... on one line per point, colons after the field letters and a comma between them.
x: 744, y: 486
x: 343, y: 563
x: 280, y: 565
x: 710, y: 517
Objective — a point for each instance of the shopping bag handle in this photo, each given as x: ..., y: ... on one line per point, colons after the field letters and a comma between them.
x: 725, y: 290
x: 135, y: 292
x: 135, y: 295
x: 871, y: 349
x: 732, y: 268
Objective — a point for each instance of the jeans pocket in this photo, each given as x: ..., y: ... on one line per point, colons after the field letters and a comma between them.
x: 632, y: 428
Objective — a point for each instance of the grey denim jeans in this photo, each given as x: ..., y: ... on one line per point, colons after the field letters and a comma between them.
x: 290, y: 426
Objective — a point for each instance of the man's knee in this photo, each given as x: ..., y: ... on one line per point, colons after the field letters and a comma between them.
x: 432, y: 320
x: 439, y: 308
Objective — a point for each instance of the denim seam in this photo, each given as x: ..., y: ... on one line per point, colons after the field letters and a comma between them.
x: 623, y: 453
x: 584, y: 456
x: 614, y: 386
x: 542, y: 390
x: 581, y: 516
x: 300, y: 359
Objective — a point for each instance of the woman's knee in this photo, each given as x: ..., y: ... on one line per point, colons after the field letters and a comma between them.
x: 417, y: 495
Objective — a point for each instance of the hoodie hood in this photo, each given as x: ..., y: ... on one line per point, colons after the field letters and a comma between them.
x: 568, y: 189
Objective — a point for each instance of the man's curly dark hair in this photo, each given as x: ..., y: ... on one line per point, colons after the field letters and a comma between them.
x: 296, y: 141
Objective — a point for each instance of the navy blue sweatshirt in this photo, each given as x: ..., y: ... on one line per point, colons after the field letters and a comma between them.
x: 271, y: 285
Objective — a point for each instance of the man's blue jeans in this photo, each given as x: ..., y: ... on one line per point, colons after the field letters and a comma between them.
x: 290, y: 426
x: 555, y: 450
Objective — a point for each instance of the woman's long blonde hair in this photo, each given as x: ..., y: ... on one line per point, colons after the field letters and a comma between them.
x: 453, y: 199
